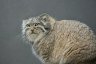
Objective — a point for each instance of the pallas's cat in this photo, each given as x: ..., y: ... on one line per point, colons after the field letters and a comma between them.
x: 60, y: 42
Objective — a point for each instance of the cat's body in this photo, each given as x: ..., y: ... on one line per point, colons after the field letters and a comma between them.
x: 65, y: 42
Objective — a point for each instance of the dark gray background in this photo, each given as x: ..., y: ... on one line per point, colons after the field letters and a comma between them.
x: 13, y: 50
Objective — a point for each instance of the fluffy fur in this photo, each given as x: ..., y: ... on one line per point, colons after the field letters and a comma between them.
x: 60, y: 42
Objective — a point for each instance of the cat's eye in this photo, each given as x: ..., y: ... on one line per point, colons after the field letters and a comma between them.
x: 28, y: 25
x: 36, y: 24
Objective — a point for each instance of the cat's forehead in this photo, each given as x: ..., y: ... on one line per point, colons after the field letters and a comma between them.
x: 32, y: 20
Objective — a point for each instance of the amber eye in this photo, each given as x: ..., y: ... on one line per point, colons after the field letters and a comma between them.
x: 28, y: 25
x: 36, y: 24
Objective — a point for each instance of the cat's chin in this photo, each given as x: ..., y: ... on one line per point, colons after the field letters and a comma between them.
x: 32, y: 37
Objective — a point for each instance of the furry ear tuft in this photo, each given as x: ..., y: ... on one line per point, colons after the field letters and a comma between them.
x: 44, y: 14
x: 44, y: 17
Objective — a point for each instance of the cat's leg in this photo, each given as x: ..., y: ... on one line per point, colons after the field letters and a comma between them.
x: 48, y: 63
x: 71, y: 61
x: 63, y: 61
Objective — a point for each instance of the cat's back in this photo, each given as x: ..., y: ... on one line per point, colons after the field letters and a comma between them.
x: 73, y: 29
x: 73, y: 38
x: 70, y: 24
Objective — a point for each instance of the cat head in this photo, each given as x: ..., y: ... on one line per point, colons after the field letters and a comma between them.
x: 32, y: 29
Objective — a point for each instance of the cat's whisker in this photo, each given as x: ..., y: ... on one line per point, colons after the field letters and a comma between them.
x: 42, y: 27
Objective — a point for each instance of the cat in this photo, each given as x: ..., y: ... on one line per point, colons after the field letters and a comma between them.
x: 60, y: 42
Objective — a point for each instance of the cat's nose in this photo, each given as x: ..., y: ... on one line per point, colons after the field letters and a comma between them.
x: 32, y: 30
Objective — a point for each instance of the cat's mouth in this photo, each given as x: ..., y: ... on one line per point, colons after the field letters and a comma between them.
x: 31, y: 37
x: 33, y: 33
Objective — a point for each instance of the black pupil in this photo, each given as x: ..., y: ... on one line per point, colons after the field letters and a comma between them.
x: 36, y: 24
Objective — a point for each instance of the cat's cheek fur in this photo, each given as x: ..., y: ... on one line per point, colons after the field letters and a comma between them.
x: 30, y: 37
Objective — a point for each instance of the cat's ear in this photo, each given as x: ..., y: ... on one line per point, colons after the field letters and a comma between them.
x: 44, y: 17
x: 24, y: 23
